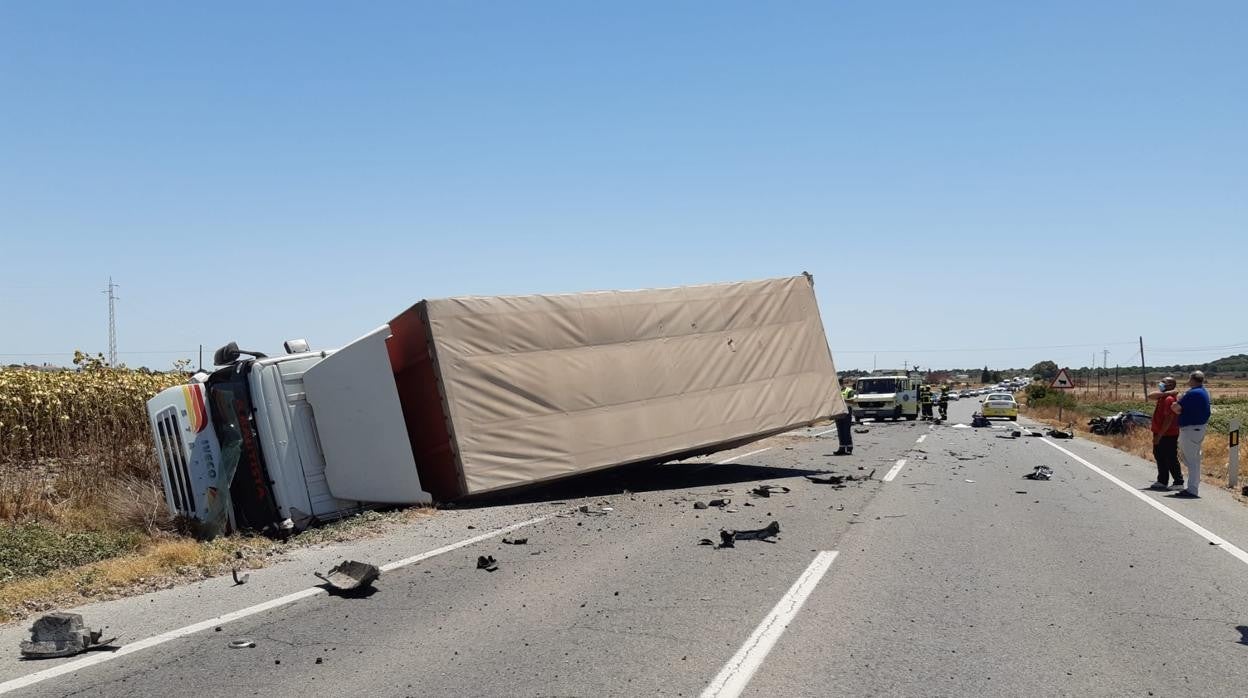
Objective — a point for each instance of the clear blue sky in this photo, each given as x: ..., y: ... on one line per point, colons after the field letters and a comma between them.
x: 968, y: 181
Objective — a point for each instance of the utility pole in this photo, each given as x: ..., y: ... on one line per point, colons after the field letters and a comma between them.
x: 1143, y: 370
x: 112, y: 322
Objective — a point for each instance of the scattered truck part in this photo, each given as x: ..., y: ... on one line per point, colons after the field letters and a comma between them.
x: 61, y: 635
x: 350, y: 575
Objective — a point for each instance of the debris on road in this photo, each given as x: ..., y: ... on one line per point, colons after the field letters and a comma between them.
x: 727, y: 539
x: 861, y: 430
x: 241, y: 644
x: 766, y: 490
x: 829, y: 479
x: 961, y: 426
x: 700, y: 505
x: 979, y: 420
x: 719, y: 502
x: 239, y: 580
x: 584, y: 509
x: 350, y: 575
x: 706, y: 541
x: 487, y: 563
x: 61, y: 635
x: 1059, y: 434
x: 838, y: 481
x: 516, y: 541
x: 971, y: 481
x: 1042, y: 472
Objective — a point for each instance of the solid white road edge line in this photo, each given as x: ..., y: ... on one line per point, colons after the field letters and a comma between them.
x: 745, y: 455
x: 921, y: 439
x: 895, y: 469
x: 140, y: 645
x: 736, y: 674
x: 1192, y: 525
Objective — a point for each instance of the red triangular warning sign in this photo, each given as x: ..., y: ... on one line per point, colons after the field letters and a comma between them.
x: 1063, y: 381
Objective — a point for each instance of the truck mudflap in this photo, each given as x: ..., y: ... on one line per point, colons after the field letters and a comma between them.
x: 359, y: 421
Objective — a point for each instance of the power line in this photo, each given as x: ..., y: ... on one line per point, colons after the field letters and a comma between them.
x: 120, y: 353
x: 975, y: 349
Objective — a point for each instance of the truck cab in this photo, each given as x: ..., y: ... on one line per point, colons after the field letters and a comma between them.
x: 886, y: 397
x: 241, y: 448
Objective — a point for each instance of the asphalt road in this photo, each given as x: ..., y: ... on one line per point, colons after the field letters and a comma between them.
x: 954, y: 577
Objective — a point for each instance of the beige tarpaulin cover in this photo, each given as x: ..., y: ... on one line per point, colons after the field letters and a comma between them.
x: 539, y: 387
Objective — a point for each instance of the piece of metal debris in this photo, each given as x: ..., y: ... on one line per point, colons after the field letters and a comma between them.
x: 767, y: 490
x: 516, y: 541
x: 61, y: 635
x: 487, y: 563
x: 350, y: 575
x: 727, y: 539
x: 239, y: 580
x: 584, y: 509
x: 1042, y: 472
x: 241, y: 644
x: 719, y: 502
x: 1059, y: 434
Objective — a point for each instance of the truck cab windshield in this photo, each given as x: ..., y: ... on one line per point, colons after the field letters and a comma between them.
x: 877, y: 386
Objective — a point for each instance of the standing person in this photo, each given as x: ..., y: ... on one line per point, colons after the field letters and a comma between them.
x: 925, y: 399
x: 1194, y: 409
x: 1166, y: 437
x: 944, y: 403
x: 844, y: 423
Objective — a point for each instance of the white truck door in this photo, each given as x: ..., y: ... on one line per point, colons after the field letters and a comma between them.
x: 355, y: 404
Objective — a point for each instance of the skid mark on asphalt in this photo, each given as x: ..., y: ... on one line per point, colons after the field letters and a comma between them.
x: 140, y: 645
x: 1199, y: 530
x: 736, y: 674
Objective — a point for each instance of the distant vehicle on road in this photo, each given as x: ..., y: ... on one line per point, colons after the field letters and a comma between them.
x: 955, y: 395
x: 999, y: 404
x: 886, y: 397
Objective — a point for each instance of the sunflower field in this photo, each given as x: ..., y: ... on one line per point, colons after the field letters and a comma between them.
x: 66, y: 435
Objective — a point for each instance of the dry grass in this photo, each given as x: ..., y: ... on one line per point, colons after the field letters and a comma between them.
x: 161, y: 565
x: 167, y: 561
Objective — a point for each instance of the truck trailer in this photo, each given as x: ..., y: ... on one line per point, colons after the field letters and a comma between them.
x: 463, y: 396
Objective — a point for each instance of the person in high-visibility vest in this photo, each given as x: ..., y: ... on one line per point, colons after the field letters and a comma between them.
x: 844, y: 432
x: 925, y: 400
x: 944, y: 402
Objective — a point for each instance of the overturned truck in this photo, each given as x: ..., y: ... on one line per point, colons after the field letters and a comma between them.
x: 463, y: 396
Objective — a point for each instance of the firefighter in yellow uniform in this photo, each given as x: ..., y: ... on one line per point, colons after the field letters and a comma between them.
x: 925, y: 400
x: 944, y: 402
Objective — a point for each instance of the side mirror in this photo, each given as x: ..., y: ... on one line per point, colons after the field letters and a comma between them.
x: 226, y: 355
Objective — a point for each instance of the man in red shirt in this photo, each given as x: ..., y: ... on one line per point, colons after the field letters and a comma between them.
x: 1166, y: 437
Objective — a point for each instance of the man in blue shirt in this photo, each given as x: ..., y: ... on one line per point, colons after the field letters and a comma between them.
x: 1194, y: 409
